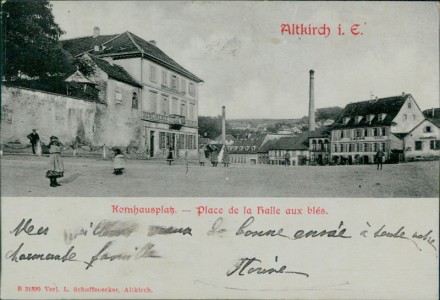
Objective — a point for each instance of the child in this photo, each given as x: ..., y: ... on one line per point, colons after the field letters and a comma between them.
x: 118, y: 163
x: 55, y: 166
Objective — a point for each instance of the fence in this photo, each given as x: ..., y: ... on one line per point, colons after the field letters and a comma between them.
x: 76, y: 150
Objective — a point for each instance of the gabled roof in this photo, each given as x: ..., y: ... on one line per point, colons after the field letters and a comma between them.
x: 390, y: 106
x: 435, y: 122
x: 81, y: 45
x: 125, y: 44
x: 266, y: 146
x: 114, y: 71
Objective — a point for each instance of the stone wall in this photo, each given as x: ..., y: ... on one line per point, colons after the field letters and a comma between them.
x: 66, y: 117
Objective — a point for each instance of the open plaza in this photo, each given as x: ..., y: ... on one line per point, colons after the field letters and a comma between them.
x: 24, y: 176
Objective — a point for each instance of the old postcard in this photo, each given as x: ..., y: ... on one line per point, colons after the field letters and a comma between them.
x: 236, y: 150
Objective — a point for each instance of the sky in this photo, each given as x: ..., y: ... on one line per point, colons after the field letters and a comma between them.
x: 256, y: 71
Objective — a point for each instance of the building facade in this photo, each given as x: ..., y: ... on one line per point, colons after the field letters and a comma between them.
x: 423, y: 142
x: 365, y: 127
x: 169, y: 98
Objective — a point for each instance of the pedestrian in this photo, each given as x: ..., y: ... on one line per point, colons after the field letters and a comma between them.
x: 379, y: 159
x: 55, y: 166
x: 225, y: 157
x: 170, y: 155
x: 202, y: 156
x: 34, y: 138
x: 118, y: 162
x: 287, y: 159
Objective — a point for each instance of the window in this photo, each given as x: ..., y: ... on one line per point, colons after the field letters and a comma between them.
x: 342, y: 134
x: 375, y: 147
x: 434, y: 145
x: 365, y: 132
x: 335, y: 148
x: 165, y: 109
x: 153, y: 73
x: 174, y: 107
x: 164, y: 78
x: 191, y: 111
x: 153, y: 100
x: 376, y: 132
x: 357, y: 133
x: 405, y: 117
x: 383, y: 131
x: 382, y: 147
x: 320, y: 145
x: 428, y: 129
x: 341, y: 147
x: 365, y: 147
x: 313, y: 145
x: 134, y: 100
x: 192, y: 90
x: 118, y: 97
x: 162, y: 140
x: 183, y: 109
x: 174, y: 82
x: 419, y: 145
x: 409, y: 104
x: 183, y: 85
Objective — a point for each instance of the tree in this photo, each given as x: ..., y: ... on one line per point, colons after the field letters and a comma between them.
x: 31, y: 40
x: 212, y: 126
x: 325, y: 113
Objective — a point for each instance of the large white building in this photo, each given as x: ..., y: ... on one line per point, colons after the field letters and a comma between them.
x: 364, y: 127
x: 168, y: 106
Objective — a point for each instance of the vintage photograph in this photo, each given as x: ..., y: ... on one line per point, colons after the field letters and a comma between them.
x: 220, y: 99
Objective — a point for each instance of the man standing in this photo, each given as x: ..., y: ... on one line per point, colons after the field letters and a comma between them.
x: 287, y: 159
x: 34, y: 138
x: 379, y: 159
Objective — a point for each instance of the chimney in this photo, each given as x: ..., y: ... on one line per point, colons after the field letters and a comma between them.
x: 223, y: 125
x: 153, y: 42
x: 95, y: 32
x: 311, y: 102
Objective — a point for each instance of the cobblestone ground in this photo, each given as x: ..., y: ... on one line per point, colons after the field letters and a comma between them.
x: 88, y: 177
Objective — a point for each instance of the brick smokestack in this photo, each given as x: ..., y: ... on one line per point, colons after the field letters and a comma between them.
x: 95, y: 32
x: 312, y: 102
x: 223, y: 125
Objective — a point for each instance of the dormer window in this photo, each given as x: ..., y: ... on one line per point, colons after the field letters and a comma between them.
x: 358, y: 119
x: 96, y: 48
x: 346, y: 120
x: 381, y: 117
x: 370, y: 118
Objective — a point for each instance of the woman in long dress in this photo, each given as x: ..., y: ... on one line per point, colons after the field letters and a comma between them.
x: 118, y: 162
x: 55, y: 166
x: 202, y: 156
x: 170, y: 155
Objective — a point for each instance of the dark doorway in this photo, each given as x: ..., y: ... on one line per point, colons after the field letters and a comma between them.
x: 151, y: 143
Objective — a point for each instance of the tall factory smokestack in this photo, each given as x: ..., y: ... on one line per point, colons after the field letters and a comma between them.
x: 223, y: 125
x: 312, y: 102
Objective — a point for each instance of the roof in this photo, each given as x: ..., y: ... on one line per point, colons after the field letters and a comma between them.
x: 390, y: 106
x: 81, y: 45
x: 292, y: 143
x: 125, y: 43
x: 114, y: 71
x: 229, y: 137
x: 266, y: 146
x: 252, y: 142
x: 400, y: 135
x: 435, y: 122
x: 432, y: 113
x: 323, y: 131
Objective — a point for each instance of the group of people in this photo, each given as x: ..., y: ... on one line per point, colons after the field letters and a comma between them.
x: 55, y: 168
x: 215, y: 156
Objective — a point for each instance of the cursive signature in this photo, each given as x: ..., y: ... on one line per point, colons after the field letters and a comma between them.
x: 247, y: 266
